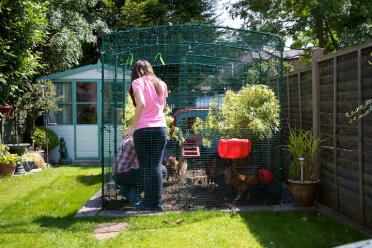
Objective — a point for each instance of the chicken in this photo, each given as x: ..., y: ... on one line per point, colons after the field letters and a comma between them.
x: 211, y: 170
x: 179, y: 168
x: 171, y: 169
x: 240, y: 182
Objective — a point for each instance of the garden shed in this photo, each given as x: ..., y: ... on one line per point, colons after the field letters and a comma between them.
x: 80, y: 117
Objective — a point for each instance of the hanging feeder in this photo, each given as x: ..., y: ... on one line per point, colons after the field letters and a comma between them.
x: 234, y: 148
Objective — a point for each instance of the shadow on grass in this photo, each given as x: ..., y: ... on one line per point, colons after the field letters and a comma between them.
x: 295, y: 229
x: 137, y: 223
x: 62, y: 222
x: 89, y: 179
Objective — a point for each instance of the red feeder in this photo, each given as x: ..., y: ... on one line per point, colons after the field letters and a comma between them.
x: 234, y: 148
x: 265, y: 176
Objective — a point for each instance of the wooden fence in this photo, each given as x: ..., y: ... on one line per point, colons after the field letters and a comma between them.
x: 341, y: 82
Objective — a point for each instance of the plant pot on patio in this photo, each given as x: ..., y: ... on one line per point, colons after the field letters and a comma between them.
x: 5, y: 109
x: 303, y: 177
x: 7, y: 168
x: 303, y: 192
x: 8, y: 161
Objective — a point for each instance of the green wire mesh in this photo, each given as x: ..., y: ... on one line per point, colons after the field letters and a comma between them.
x: 199, y: 63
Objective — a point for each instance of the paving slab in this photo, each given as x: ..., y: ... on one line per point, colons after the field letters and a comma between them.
x: 93, y: 207
x: 109, y: 230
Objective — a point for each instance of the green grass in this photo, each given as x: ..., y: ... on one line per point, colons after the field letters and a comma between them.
x: 38, y: 211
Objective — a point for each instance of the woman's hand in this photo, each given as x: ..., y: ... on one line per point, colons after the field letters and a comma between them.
x: 128, y: 133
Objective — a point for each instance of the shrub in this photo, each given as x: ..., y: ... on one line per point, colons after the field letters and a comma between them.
x: 251, y: 112
x: 39, y: 138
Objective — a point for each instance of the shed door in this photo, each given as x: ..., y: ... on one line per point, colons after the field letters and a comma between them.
x: 86, y: 121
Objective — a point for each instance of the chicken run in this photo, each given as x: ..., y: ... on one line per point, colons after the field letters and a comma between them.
x: 200, y: 64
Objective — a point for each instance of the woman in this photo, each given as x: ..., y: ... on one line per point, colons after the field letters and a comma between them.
x: 148, y: 128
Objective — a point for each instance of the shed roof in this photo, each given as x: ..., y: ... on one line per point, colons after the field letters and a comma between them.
x: 88, y: 71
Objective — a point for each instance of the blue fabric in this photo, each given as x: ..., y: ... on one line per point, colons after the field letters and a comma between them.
x: 131, y: 183
x: 150, y: 144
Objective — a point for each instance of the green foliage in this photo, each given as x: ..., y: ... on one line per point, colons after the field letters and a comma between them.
x: 40, y: 140
x: 72, y: 25
x: 266, y: 67
x: 145, y: 13
x: 303, y: 144
x: 22, y: 30
x: 6, y: 157
x: 42, y: 37
x: 360, y: 112
x: 331, y: 24
x: 128, y: 113
x: 37, y: 98
x: 251, y: 112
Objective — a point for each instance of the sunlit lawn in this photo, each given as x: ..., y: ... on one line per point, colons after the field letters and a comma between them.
x: 38, y: 211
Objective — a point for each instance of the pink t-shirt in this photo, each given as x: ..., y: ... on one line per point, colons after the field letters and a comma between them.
x: 152, y: 115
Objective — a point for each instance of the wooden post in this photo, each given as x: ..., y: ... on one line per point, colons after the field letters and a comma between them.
x: 360, y: 144
x: 316, y: 53
x: 289, y: 106
x: 335, y: 130
x: 299, y: 97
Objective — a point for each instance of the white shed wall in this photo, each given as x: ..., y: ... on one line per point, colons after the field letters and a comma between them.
x: 67, y: 132
x: 87, y: 141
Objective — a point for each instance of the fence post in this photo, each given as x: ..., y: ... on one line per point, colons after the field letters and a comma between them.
x: 289, y: 104
x: 299, y: 97
x: 360, y: 143
x: 335, y: 137
x: 316, y: 53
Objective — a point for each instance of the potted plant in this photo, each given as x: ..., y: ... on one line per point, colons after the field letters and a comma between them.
x: 303, y: 180
x: 33, y: 160
x: 39, y: 139
x: 8, y: 161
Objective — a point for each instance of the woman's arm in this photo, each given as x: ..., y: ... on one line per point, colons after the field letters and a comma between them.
x: 140, y: 105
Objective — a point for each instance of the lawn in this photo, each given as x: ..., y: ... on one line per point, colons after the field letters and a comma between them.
x: 38, y: 211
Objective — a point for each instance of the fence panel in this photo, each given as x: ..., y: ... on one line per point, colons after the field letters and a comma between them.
x: 345, y: 82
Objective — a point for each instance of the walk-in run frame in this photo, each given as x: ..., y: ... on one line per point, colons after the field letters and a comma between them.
x: 199, y: 64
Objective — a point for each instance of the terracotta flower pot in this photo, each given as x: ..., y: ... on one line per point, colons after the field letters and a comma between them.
x: 303, y: 192
x: 7, y: 169
x: 5, y: 109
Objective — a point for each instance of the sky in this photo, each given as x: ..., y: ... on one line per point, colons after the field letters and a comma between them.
x: 226, y: 19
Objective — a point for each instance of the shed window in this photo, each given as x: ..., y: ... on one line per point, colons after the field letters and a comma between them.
x: 64, y: 91
x: 65, y: 115
x: 86, y: 102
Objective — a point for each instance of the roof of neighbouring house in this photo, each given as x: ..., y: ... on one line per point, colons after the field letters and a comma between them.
x: 292, y: 54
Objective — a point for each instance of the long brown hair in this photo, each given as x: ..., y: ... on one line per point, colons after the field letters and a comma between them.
x: 143, y: 68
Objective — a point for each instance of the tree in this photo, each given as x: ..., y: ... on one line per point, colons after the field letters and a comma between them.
x: 331, y: 24
x: 120, y: 14
x: 37, y: 98
x: 73, y: 27
x: 22, y: 29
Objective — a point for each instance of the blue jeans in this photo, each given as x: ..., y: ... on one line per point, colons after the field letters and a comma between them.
x: 150, y: 144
